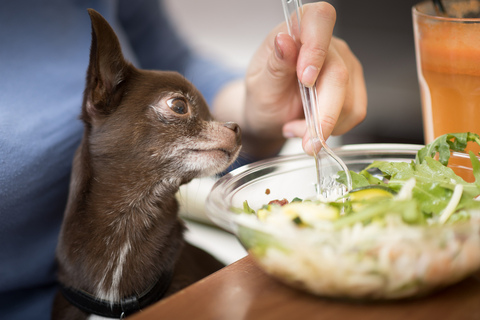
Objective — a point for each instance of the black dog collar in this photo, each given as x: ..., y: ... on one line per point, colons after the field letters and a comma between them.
x: 127, y: 306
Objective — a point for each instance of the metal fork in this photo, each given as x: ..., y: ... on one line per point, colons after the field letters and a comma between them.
x: 328, y: 164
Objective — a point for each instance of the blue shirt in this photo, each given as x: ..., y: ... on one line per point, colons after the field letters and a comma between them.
x: 44, y: 52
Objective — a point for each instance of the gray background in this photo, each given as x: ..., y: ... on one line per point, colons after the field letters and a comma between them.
x: 379, y: 32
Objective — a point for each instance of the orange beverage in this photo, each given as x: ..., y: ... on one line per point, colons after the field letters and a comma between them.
x: 448, y: 64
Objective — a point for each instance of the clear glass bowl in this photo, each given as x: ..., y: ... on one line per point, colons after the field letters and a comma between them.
x: 354, y: 262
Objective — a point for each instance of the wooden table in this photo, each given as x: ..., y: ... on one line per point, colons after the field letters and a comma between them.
x: 243, y: 291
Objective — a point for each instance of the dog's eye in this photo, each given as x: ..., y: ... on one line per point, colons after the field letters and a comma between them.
x: 178, y: 105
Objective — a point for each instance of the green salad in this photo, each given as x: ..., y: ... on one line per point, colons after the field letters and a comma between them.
x: 422, y: 192
x: 403, y: 229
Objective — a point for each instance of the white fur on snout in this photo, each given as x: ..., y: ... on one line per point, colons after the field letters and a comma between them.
x: 211, y: 151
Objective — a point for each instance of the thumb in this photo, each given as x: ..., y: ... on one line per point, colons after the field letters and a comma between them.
x: 280, y: 69
x: 298, y: 128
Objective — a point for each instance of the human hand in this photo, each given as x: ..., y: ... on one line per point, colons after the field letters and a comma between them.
x: 273, y: 108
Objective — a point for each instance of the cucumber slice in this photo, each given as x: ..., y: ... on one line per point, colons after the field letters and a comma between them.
x: 370, y: 192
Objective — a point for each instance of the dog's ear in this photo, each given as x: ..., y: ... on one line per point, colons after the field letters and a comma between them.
x: 106, y: 72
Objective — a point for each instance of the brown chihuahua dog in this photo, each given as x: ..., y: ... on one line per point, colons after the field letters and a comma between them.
x: 121, y: 245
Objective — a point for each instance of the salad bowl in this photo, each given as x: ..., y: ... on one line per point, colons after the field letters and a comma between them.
x: 381, y: 257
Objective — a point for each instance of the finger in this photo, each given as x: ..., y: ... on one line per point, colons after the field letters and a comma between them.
x: 316, y: 32
x: 298, y: 128
x: 270, y: 85
x: 355, y: 105
x: 294, y: 129
x: 332, y: 86
x: 281, y: 64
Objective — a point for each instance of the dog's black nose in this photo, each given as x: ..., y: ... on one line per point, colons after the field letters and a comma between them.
x: 235, y: 128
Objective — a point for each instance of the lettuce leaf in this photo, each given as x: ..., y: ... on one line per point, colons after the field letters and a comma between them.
x: 361, y: 179
x: 246, y: 209
x: 372, y: 180
x: 446, y: 143
x: 358, y: 180
x: 434, y: 182
x: 476, y: 168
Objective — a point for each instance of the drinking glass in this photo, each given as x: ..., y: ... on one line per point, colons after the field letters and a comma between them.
x: 448, y: 63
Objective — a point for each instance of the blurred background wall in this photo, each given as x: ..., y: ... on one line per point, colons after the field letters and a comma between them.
x: 379, y: 32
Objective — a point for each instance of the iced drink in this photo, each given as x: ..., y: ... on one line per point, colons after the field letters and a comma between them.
x: 448, y: 63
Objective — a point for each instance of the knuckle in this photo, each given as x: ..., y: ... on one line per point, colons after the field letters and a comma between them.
x: 274, y: 69
x: 358, y: 65
x: 317, y: 50
x: 328, y: 123
x: 358, y: 112
x: 348, y: 105
x: 355, y: 63
x: 342, y: 46
x: 360, y: 101
x: 353, y: 113
x: 340, y: 74
x: 361, y: 109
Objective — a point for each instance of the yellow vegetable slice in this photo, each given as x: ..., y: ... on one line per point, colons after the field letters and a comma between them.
x: 368, y: 193
x: 310, y: 212
x: 371, y: 192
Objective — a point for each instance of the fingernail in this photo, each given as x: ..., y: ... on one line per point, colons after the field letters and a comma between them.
x: 288, y: 134
x: 309, y: 76
x: 278, y: 51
